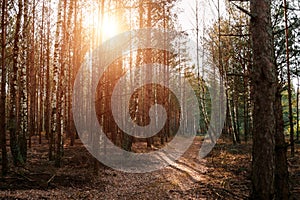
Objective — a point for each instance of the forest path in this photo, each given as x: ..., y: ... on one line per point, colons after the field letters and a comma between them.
x: 223, y: 174
x: 189, y: 177
x: 184, y: 179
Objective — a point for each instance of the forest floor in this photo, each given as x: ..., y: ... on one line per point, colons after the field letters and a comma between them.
x: 223, y: 174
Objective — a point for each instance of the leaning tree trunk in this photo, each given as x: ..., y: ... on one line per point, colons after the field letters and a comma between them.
x: 264, y: 89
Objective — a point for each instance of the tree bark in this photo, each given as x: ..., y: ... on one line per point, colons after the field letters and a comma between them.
x: 48, y: 83
x: 291, y: 121
x: 281, y: 172
x: 14, y: 104
x: 264, y: 89
x: 55, y: 118
x: 3, y: 92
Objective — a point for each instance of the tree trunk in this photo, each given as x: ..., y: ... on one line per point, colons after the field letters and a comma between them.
x: 3, y: 92
x: 41, y: 127
x: 281, y: 172
x: 60, y: 90
x: 75, y: 62
x: 22, y: 86
x: 48, y: 83
x: 297, y: 106
x: 55, y: 118
x: 291, y: 121
x: 148, y: 60
x: 264, y: 88
x: 14, y: 107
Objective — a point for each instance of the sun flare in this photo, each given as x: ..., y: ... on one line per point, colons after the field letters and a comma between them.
x: 107, y: 29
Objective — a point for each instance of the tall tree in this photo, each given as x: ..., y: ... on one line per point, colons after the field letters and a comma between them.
x: 281, y: 170
x: 291, y: 121
x: 3, y: 90
x: 60, y: 88
x: 269, y: 169
x: 13, y: 82
x: 55, y: 114
x: 264, y: 89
